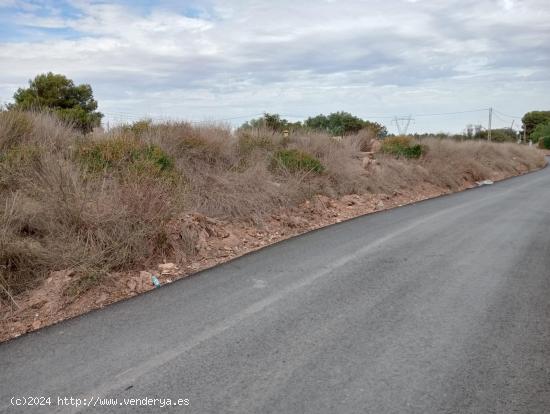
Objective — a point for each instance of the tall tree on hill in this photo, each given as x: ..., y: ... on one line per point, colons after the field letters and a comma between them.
x: 273, y: 122
x: 532, y: 119
x: 57, y: 93
x: 343, y: 123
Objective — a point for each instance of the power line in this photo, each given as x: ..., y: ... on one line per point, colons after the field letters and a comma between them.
x: 402, y: 123
x: 132, y: 116
x: 454, y: 113
x: 509, y: 116
x: 500, y: 118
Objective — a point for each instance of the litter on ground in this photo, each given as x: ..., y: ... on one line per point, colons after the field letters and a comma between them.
x: 484, y: 182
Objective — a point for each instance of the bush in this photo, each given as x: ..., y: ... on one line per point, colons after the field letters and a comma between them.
x: 42, y: 129
x: 14, y: 126
x: 544, y: 142
x: 541, y: 131
x: 533, y: 119
x: 343, y: 123
x: 114, y: 201
x: 138, y: 128
x: 402, y: 147
x: 120, y: 154
x: 293, y: 160
x: 247, y: 143
x: 20, y: 155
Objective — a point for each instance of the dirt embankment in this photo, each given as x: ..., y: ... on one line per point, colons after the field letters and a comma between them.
x: 87, y: 221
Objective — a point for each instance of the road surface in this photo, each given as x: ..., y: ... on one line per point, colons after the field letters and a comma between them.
x: 438, y: 307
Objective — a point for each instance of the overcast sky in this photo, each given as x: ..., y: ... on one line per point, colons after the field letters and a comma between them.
x: 213, y: 59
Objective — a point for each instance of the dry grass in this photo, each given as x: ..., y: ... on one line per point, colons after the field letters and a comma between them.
x: 108, y: 201
x: 450, y: 165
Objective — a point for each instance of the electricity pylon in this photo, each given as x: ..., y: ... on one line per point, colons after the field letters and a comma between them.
x: 403, y: 123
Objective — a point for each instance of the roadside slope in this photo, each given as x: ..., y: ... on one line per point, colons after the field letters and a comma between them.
x: 440, y: 306
x: 89, y: 220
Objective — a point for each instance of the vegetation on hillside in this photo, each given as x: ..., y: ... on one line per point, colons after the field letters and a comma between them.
x: 98, y: 202
x: 403, y: 147
x: 108, y: 201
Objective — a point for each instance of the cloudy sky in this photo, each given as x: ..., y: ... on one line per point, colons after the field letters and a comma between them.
x: 213, y: 59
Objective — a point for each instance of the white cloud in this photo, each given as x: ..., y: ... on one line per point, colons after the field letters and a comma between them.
x: 297, y: 58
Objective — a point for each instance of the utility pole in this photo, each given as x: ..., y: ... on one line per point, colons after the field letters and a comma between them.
x: 490, y: 122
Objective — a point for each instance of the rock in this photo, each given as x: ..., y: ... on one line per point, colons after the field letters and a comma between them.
x: 375, y: 145
x: 102, y: 298
x: 168, y: 268
x: 144, y: 280
x: 366, y: 162
x: 145, y: 275
x: 132, y: 284
x: 36, y: 324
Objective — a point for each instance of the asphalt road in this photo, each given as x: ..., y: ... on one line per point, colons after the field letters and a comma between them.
x: 438, y: 307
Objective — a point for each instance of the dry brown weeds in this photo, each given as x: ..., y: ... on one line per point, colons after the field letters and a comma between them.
x: 59, y: 213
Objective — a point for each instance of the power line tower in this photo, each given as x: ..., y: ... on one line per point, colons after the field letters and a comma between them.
x: 402, y: 124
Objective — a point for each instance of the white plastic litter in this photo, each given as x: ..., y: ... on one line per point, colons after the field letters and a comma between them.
x: 484, y: 182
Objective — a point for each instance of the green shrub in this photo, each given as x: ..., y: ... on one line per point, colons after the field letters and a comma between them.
x: 541, y: 131
x: 294, y: 160
x: 122, y: 154
x: 402, y: 147
x: 544, y: 142
x: 533, y: 119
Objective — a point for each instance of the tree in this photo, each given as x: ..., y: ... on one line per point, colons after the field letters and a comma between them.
x: 343, y: 123
x: 540, y: 132
x: 532, y: 119
x: 273, y: 122
x: 497, y: 135
x: 57, y: 93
